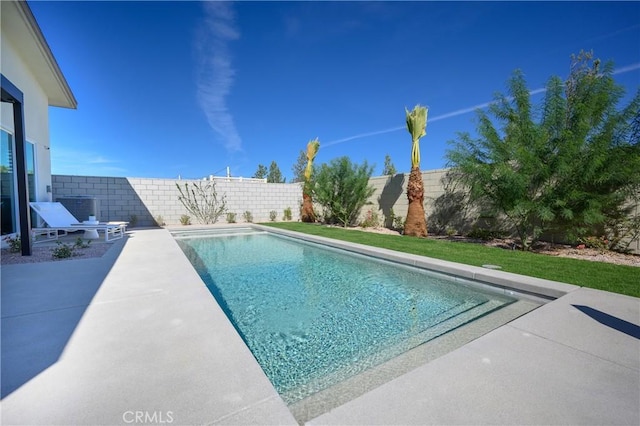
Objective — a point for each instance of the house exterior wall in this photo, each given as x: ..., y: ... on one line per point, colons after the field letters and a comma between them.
x: 36, y: 113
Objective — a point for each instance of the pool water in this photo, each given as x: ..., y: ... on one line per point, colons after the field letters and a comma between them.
x: 314, y: 316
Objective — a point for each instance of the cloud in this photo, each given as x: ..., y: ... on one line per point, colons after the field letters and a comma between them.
x: 215, y: 71
x: 458, y: 112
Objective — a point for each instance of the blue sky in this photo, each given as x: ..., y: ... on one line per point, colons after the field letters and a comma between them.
x: 188, y: 88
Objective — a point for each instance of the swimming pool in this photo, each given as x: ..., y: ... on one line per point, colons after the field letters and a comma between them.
x: 314, y: 316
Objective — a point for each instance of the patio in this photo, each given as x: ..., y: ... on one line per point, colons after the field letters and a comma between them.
x: 135, y: 336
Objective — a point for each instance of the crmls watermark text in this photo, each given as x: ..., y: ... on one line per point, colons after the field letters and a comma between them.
x: 148, y: 417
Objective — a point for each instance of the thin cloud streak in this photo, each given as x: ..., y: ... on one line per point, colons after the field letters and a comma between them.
x: 462, y: 111
x: 216, y: 73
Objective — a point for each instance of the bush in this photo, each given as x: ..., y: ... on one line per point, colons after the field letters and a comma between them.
x: 598, y: 243
x: 231, y: 217
x: 371, y: 220
x: 342, y: 189
x: 185, y: 219
x: 483, y: 234
x: 287, y: 214
x: 398, y: 222
x: 201, y: 200
x: 63, y: 251
x: 248, y: 217
x: 272, y: 215
x: 159, y: 220
x: 15, y: 245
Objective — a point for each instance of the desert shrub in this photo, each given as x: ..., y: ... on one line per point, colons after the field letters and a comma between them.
x: 133, y: 220
x: 185, y: 219
x: 15, y: 245
x: 159, y: 220
x: 248, y: 216
x: 371, y: 220
x: 342, y: 189
x: 63, y: 251
x: 231, y: 217
x: 287, y: 214
x: 398, y: 222
x: 272, y: 215
x: 202, y: 202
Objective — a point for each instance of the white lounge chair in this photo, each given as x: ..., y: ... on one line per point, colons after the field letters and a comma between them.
x: 59, y: 219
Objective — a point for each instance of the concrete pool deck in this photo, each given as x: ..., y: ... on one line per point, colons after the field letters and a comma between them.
x: 135, y: 337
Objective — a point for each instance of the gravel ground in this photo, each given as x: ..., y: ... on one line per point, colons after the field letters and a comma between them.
x: 42, y: 252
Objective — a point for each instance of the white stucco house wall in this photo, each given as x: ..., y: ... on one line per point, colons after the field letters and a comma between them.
x: 28, y: 67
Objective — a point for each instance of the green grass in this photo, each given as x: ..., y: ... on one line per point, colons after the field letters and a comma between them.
x: 602, y: 276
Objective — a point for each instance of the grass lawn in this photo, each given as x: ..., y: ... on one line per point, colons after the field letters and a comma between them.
x: 603, y: 276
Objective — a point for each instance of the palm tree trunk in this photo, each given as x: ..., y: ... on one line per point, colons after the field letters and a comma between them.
x: 416, y: 224
x: 307, y: 214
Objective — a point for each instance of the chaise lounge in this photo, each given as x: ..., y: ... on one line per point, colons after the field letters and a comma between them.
x: 60, y: 221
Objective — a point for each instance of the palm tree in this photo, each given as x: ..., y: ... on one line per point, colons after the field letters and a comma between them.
x: 308, y: 214
x: 416, y: 224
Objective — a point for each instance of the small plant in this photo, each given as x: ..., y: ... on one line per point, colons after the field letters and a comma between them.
x: 80, y: 243
x: 133, y: 220
x: 159, y: 220
x: 231, y: 217
x: 248, y: 217
x: 272, y: 215
x: 398, y: 222
x: 202, y: 201
x: 287, y: 214
x: 63, y: 251
x: 483, y: 234
x: 450, y: 231
x: 371, y: 220
x: 15, y: 245
x: 599, y: 243
x: 185, y: 219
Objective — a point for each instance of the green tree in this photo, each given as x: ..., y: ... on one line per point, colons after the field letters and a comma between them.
x: 299, y: 167
x: 342, y: 189
x: 307, y: 213
x: 416, y: 223
x: 275, y: 176
x: 261, y: 173
x: 389, y: 168
x: 571, y: 167
x: 202, y: 201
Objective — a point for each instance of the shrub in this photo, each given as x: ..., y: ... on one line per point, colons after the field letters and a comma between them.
x: 450, y: 231
x: 201, y: 200
x: 287, y: 214
x: 272, y: 215
x: 159, y: 220
x: 342, y: 189
x: 483, y: 234
x: 371, y: 220
x: 185, y: 219
x: 133, y: 221
x: 231, y: 217
x: 15, y: 245
x: 398, y: 222
x: 599, y: 243
x: 63, y: 251
x: 248, y: 217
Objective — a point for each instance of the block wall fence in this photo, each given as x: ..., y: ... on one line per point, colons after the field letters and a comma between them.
x: 120, y: 199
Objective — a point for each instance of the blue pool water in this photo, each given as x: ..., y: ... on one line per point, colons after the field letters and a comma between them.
x: 313, y: 315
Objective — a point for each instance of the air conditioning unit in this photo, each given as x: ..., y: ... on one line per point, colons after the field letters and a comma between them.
x: 81, y: 206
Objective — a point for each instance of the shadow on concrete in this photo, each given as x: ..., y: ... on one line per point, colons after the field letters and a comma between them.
x: 42, y: 304
x: 610, y: 321
x: 389, y: 195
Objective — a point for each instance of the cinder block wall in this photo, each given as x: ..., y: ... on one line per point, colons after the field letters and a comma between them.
x: 122, y: 198
x: 391, y: 193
